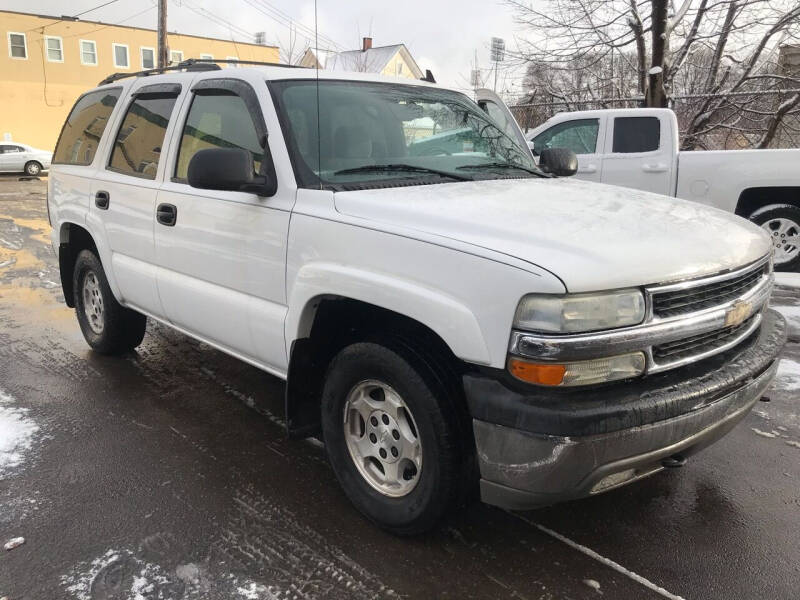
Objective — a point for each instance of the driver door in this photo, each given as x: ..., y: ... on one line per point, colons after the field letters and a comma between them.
x: 583, y: 137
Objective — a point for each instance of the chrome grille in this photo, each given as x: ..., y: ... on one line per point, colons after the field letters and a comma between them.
x: 692, y: 299
x: 704, y: 343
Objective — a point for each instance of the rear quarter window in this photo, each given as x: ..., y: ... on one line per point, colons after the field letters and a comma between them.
x: 84, y: 127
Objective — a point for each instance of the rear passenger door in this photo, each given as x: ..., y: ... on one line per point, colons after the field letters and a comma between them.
x: 222, y: 254
x: 639, y: 154
x: 125, y: 188
x: 12, y: 158
x: 583, y: 137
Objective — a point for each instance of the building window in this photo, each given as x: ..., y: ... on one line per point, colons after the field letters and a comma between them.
x: 206, y: 57
x: 17, y: 45
x: 148, y: 58
x: 55, y: 52
x: 120, y: 56
x: 175, y: 57
x: 399, y: 68
x: 88, y: 53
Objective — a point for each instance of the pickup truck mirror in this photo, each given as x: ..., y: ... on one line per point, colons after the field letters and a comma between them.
x: 228, y: 169
x: 561, y: 162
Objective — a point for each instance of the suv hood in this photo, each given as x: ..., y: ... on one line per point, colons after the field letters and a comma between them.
x: 592, y: 236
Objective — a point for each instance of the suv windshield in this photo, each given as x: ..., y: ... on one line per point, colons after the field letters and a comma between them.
x: 368, y: 133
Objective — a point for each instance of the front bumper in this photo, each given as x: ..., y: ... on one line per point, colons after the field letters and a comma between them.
x: 541, y: 447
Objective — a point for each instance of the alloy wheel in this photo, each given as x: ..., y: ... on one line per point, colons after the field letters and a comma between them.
x: 382, y: 438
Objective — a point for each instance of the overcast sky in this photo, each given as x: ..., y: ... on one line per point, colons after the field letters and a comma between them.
x: 441, y: 35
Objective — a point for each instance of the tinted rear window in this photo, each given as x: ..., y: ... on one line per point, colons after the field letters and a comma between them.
x: 137, y: 148
x: 84, y: 127
x: 636, y: 134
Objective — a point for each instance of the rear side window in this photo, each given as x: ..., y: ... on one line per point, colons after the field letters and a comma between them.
x: 137, y: 147
x: 217, y: 119
x: 636, y: 134
x: 84, y: 127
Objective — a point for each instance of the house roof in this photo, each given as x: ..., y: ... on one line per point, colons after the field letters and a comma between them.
x: 373, y: 60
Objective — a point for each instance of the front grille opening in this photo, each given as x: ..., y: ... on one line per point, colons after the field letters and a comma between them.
x: 699, y: 344
x: 679, y: 302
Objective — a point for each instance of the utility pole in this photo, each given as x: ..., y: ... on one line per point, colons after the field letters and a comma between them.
x: 163, y: 51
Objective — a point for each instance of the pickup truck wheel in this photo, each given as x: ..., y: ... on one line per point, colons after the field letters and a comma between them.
x: 107, y: 326
x: 782, y: 222
x: 390, y: 438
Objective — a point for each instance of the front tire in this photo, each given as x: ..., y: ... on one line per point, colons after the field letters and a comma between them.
x: 107, y: 326
x: 33, y: 168
x: 391, y: 437
x: 782, y: 222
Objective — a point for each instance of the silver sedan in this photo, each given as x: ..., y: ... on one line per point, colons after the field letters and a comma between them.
x: 21, y: 158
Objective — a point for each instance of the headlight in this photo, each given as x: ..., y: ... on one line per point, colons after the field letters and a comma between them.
x: 575, y: 313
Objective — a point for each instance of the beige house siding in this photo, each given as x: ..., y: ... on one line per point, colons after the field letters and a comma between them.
x: 37, y: 93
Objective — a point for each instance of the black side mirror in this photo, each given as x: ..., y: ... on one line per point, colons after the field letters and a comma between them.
x: 228, y: 169
x: 561, y: 162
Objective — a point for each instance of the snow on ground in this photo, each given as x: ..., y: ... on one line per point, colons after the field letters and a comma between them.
x: 788, y: 377
x: 121, y: 575
x: 788, y: 279
x: 16, y: 434
x: 792, y: 314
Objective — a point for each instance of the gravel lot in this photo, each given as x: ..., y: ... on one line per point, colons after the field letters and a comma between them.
x: 166, y: 474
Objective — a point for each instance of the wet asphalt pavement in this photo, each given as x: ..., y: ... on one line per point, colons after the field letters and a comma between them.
x: 167, y: 474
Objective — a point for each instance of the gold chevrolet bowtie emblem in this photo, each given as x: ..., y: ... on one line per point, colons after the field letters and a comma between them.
x: 738, y: 313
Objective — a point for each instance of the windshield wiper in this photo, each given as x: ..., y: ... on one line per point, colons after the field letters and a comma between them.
x: 502, y: 165
x: 401, y: 167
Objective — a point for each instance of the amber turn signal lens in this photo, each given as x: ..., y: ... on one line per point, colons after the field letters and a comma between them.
x: 540, y: 374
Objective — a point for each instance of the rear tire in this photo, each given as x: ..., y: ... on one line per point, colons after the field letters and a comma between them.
x: 33, y: 168
x: 107, y: 326
x: 421, y: 491
x: 782, y: 222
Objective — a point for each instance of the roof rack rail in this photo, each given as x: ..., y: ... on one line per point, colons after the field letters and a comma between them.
x: 193, y: 64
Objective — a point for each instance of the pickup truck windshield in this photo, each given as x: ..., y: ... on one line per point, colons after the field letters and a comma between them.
x: 368, y: 133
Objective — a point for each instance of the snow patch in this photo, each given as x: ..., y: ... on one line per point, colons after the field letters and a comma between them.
x: 788, y: 376
x: 766, y: 434
x: 788, y: 279
x: 791, y: 313
x: 592, y: 583
x: 121, y: 574
x: 655, y: 70
x: 16, y: 434
x: 793, y: 443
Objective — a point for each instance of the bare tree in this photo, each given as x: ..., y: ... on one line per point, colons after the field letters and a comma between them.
x: 722, y: 52
x: 293, y: 47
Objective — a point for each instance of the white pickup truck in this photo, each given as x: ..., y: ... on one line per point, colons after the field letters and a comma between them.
x: 638, y: 148
x: 446, y: 315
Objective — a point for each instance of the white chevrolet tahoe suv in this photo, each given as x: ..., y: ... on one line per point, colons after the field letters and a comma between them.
x: 447, y: 316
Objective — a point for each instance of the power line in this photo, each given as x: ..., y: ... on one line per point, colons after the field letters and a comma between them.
x: 284, y: 19
x: 95, y: 8
x: 216, y: 19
